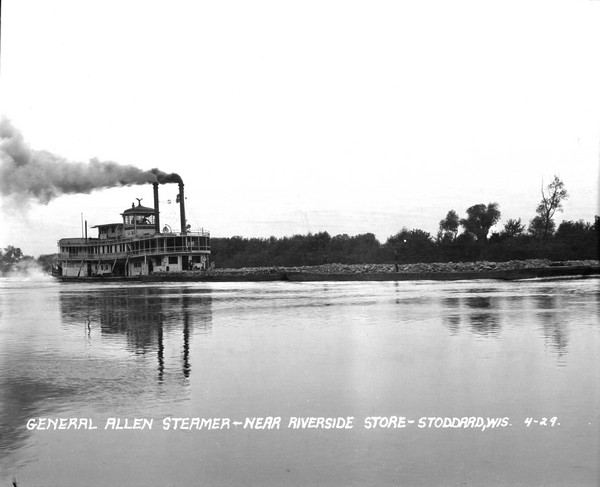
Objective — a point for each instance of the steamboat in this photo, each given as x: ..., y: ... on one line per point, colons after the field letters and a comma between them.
x: 134, y: 247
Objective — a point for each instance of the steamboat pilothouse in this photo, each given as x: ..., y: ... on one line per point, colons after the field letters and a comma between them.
x: 135, y: 247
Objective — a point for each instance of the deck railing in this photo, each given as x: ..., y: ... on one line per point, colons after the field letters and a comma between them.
x: 134, y: 253
x: 82, y: 249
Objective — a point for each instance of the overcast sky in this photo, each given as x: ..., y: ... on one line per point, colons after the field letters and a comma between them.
x: 288, y: 117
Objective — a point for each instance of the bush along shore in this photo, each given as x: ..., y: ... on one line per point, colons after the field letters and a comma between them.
x: 514, y: 269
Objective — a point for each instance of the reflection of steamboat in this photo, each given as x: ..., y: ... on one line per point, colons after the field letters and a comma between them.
x: 145, y: 319
x: 134, y: 247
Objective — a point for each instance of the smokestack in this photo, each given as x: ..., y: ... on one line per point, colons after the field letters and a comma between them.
x: 156, y: 212
x: 182, y: 208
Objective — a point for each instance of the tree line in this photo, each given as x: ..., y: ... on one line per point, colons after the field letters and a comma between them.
x: 540, y: 239
x: 12, y: 259
x: 573, y: 240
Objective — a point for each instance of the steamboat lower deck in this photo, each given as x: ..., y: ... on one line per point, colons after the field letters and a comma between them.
x: 141, y: 256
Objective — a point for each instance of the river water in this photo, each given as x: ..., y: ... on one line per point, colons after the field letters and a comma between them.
x: 418, y: 383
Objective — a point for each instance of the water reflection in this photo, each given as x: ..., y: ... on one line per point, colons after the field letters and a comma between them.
x: 484, y: 319
x: 141, y: 315
x: 483, y: 302
x: 451, y: 302
x: 186, y: 344
x: 545, y: 298
x: 550, y: 316
x: 127, y: 333
x: 299, y: 349
x: 452, y: 319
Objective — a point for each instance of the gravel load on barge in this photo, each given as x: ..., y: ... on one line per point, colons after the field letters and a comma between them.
x: 511, y: 270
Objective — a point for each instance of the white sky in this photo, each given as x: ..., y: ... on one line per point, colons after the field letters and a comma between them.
x: 288, y: 117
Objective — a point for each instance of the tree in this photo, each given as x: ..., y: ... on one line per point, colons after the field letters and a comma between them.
x: 597, y: 227
x: 552, y: 198
x: 513, y: 228
x: 480, y: 218
x: 449, y: 227
x: 412, y: 245
x: 539, y: 228
x: 46, y: 261
x: 570, y: 230
x: 406, y: 236
x: 9, y: 258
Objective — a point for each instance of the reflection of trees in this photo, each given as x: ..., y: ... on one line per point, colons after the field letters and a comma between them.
x: 451, y: 319
x: 484, y: 319
x: 546, y: 299
x: 479, y: 310
x: 553, y: 329
x: 485, y: 310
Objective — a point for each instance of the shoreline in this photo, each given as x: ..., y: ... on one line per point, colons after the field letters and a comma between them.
x: 512, y: 270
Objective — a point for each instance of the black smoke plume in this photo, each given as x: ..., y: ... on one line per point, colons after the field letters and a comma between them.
x: 27, y: 174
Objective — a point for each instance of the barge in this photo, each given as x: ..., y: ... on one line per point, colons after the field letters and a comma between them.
x: 134, y: 247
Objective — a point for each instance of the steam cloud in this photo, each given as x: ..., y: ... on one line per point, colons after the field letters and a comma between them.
x: 42, y: 176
